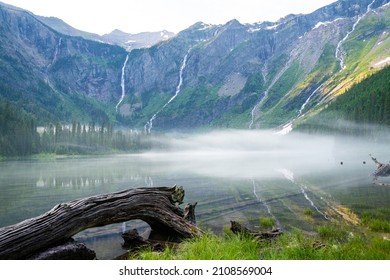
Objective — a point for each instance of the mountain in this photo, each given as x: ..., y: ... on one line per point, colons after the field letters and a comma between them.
x: 136, y: 41
x: 366, y: 103
x: 262, y: 75
x: 116, y: 37
x: 54, y: 76
x: 253, y: 76
x: 64, y: 28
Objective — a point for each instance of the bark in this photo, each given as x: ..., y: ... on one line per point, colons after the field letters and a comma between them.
x: 156, y: 206
x: 133, y: 242
x: 237, y: 228
x: 189, y: 213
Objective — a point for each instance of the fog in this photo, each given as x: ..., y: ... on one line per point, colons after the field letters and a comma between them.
x: 233, y: 174
x: 262, y: 154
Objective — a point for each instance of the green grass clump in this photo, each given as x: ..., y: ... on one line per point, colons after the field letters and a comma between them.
x: 297, y: 246
x: 331, y: 241
x: 333, y: 232
x: 209, y: 247
x: 308, y: 212
x: 267, y: 222
x: 377, y: 220
x: 294, y: 245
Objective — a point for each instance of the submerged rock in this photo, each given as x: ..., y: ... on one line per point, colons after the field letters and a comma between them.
x: 71, y: 250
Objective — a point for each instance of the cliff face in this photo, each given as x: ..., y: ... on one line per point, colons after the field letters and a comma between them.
x: 258, y: 75
x: 47, y: 72
x: 232, y: 75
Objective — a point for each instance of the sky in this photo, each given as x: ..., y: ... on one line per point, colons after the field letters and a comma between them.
x: 134, y: 16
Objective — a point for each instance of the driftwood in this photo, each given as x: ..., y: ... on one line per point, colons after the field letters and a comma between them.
x: 237, y: 228
x: 382, y: 170
x: 134, y: 242
x: 156, y: 206
x: 189, y: 213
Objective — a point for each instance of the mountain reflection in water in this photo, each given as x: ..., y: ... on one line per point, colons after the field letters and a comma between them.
x: 232, y: 175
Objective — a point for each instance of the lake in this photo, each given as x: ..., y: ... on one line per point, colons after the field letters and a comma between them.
x: 233, y: 175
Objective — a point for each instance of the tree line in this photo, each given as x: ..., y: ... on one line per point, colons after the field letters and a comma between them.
x: 362, y: 110
x: 20, y: 136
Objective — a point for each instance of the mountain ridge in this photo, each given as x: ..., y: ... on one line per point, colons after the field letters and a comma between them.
x: 261, y: 75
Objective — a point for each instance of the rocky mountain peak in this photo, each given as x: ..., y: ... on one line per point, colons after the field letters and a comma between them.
x: 232, y: 75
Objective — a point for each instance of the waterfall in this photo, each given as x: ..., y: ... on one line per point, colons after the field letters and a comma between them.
x: 264, y: 98
x: 340, y: 53
x: 57, y: 51
x: 287, y: 128
x: 56, y: 54
x: 55, y: 57
x: 307, y: 101
x: 149, y: 125
x: 122, y: 83
x: 255, y: 109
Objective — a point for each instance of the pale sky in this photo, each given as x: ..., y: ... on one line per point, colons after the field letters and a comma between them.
x: 134, y: 16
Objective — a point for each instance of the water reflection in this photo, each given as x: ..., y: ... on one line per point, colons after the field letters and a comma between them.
x: 233, y: 176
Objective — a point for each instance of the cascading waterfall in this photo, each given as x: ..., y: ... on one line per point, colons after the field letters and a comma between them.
x: 289, y: 175
x: 287, y: 128
x: 264, y: 98
x: 307, y: 101
x: 255, y: 109
x: 55, y: 57
x: 259, y: 103
x: 340, y: 53
x: 57, y: 51
x: 122, y: 83
x: 149, y: 125
x: 262, y: 201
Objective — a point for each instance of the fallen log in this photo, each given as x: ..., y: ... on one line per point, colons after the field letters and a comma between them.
x: 237, y: 228
x: 382, y: 169
x: 156, y: 206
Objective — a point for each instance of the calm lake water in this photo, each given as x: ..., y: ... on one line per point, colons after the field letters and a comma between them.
x: 232, y: 175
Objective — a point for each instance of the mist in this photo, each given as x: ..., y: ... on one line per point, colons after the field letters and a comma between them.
x: 262, y: 154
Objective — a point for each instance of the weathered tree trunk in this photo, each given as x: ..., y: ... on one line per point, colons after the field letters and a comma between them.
x: 237, y: 228
x: 382, y: 170
x: 156, y: 206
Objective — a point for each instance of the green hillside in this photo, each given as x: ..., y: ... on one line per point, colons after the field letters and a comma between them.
x: 366, y: 103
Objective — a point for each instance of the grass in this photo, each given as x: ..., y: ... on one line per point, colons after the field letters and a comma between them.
x: 378, y: 220
x: 308, y: 212
x: 209, y: 247
x: 332, y: 241
x: 267, y: 222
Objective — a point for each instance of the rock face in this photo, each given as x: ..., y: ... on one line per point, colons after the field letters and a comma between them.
x: 43, y: 71
x: 231, y: 75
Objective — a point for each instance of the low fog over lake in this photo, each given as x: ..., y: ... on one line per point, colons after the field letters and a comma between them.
x: 233, y: 175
